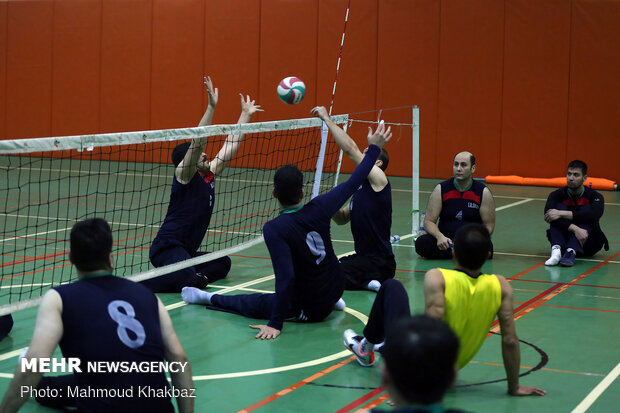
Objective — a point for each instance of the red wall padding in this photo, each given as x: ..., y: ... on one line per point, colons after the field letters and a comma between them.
x: 525, y: 85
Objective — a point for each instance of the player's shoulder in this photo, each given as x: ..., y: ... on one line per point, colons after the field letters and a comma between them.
x: 593, y: 194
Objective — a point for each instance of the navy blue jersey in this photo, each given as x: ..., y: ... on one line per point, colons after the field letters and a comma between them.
x: 587, y: 209
x: 111, y: 319
x: 459, y: 207
x: 371, y: 220
x: 188, y: 216
x: 306, y: 268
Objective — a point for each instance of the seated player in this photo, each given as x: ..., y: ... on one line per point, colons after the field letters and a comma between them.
x: 370, y: 213
x: 465, y: 298
x: 455, y: 202
x: 103, y: 318
x: 420, y: 358
x: 191, y: 204
x: 308, y: 277
x: 573, y: 214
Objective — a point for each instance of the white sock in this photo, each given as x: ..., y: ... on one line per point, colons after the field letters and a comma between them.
x: 373, y: 285
x: 556, y: 255
x: 571, y: 250
x: 366, y: 346
x: 340, y: 305
x: 193, y: 295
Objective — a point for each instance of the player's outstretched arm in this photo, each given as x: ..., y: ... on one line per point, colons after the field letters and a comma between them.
x: 510, y: 344
x: 207, y: 118
x: 173, y: 351
x: 377, y: 177
x: 343, y: 140
x: 47, y: 333
x: 231, y: 145
x: 187, y: 168
x: 334, y: 199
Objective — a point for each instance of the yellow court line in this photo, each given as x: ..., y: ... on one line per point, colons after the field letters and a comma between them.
x: 597, y: 391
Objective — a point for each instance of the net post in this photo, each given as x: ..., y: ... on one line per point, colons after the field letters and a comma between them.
x: 319, y: 162
x: 415, y: 171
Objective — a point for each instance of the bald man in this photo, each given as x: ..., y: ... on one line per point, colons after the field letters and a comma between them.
x: 455, y: 202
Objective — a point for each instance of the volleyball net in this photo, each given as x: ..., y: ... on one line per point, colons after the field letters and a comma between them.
x: 49, y: 184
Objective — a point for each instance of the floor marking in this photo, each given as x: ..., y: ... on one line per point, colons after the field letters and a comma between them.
x: 488, y: 363
x: 335, y: 356
x: 553, y: 291
x: 523, y: 201
x: 373, y: 403
x: 297, y: 385
x: 11, y: 354
x: 597, y: 391
x: 361, y: 400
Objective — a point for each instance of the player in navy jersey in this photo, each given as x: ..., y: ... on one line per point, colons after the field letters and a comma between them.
x: 102, y: 318
x: 573, y: 214
x: 370, y: 214
x: 308, y: 277
x: 191, y: 203
x: 456, y: 201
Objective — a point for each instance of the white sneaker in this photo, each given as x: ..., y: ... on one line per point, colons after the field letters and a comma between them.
x: 353, y: 342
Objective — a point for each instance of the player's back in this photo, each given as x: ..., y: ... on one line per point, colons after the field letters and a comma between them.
x: 371, y: 220
x: 471, y: 306
x: 306, y: 232
x: 109, y: 319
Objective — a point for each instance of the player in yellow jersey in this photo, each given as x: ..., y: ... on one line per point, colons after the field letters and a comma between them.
x: 465, y: 298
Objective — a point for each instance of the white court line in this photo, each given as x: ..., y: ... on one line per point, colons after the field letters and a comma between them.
x: 523, y: 201
x: 597, y: 391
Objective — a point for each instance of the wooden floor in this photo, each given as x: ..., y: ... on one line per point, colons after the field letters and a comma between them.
x: 567, y: 319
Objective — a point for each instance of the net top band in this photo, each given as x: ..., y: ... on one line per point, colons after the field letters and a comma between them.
x: 88, y: 142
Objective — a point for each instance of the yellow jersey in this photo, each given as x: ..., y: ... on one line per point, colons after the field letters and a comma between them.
x: 471, y: 306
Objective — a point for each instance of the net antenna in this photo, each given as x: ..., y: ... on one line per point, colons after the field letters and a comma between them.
x: 49, y: 184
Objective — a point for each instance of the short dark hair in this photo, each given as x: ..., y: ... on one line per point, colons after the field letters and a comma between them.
x: 91, y: 245
x: 472, y: 244
x: 578, y: 164
x: 420, y: 355
x: 288, y: 183
x: 178, y: 153
x: 384, y: 158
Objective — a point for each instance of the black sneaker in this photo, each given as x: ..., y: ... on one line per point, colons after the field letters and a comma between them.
x: 568, y: 259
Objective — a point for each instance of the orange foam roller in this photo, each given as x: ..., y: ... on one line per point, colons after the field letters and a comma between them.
x: 595, y: 183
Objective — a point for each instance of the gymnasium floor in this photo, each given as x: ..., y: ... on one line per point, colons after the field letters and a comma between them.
x: 567, y: 319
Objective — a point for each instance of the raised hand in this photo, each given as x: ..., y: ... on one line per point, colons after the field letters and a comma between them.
x: 213, y: 93
x: 320, y: 112
x: 381, y: 136
x: 248, y: 106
